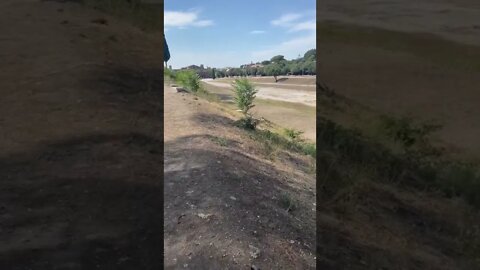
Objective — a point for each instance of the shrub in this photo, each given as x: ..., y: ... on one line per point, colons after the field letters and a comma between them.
x: 244, y: 96
x: 168, y: 74
x: 293, y: 134
x: 188, y: 79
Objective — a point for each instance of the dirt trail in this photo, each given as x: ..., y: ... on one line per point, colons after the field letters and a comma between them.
x: 288, y: 95
x: 222, y: 199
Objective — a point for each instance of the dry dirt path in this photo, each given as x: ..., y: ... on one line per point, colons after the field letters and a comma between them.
x: 288, y: 95
x: 286, y: 114
x: 222, y: 197
x: 257, y: 82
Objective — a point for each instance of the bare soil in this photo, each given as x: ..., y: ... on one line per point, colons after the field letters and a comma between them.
x: 286, y: 105
x: 420, y: 75
x: 81, y: 161
x: 81, y: 140
x: 455, y: 20
x: 223, y: 198
x: 423, y: 69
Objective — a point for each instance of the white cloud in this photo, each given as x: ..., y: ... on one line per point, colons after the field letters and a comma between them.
x: 203, y: 23
x: 257, y: 32
x: 184, y: 19
x: 290, y: 48
x: 292, y: 23
x: 286, y: 19
x: 308, y: 25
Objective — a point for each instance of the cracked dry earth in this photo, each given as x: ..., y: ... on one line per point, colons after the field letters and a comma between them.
x: 222, y: 196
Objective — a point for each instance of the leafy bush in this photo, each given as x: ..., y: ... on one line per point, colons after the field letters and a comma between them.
x: 244, y: 96
x: 293, y: 134
x: 415, y: 138
x: 168, y: 74
x: 404, y: 131
x: 247, y: 122
x: 188, y: 79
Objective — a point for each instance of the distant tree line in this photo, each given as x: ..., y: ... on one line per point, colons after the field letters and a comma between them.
x: 276, y: 66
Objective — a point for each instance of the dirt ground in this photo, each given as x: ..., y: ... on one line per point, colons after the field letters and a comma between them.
x: 222, y: 196
x: 80, y: 140
x: 81, y: 161
x: 440, y: 84
x: 287, y: 105
x: 456, y: 20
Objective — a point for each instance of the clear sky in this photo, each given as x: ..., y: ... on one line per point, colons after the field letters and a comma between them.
x: 222, y: 33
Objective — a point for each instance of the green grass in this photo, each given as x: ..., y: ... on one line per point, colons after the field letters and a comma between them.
x: 220, y: 141
x: 347, y: 147
x: 286, y: 202
x: 273, y: 141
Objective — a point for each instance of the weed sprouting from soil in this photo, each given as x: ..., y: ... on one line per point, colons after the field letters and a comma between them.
x: 220, y: 141
x: 272, y: 141
x: 293, y: 135
x: 287, y: 203
x: 420, y: 165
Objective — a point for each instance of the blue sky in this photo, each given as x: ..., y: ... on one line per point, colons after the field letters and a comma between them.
x: 222, y: 33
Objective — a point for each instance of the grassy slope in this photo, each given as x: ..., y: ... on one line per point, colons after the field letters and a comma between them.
x: 377, y: 209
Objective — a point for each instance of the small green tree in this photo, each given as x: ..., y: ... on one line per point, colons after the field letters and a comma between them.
x: 188, y: 79
x: 274, y: 70
x: 213, y: 73
x: 244, y: 96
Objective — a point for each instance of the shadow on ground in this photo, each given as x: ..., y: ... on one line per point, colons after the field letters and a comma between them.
x: 242, y: 197
x: 85, y: 203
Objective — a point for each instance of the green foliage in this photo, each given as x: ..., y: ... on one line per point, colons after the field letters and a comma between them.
x: 168, y: 73
x: 310, y: 54
x: 454, y: 179
x: 274, y: 140
x: 273, y: 70
x: 414, y: 138
x: 244, y: 95
x: 277, y: 66
x: 220, y: 141
x: 188, y: 79
x: 247, y: 122
x: 277, y: 59
x: 287, y: 202
x: 293, y: 134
